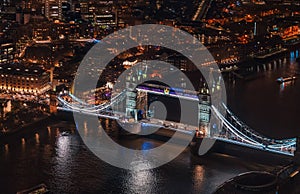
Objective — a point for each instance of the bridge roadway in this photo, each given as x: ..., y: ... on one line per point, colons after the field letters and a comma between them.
x: 232, y: 130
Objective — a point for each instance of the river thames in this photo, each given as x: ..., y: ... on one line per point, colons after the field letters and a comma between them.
x: 57, y: 157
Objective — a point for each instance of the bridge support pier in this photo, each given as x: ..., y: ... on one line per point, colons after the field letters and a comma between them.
x: 53, y: 103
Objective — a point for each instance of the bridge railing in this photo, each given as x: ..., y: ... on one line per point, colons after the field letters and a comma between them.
x: 83, y: 107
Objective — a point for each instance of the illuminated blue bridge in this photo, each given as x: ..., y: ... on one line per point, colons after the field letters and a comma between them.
x: 228, y: 129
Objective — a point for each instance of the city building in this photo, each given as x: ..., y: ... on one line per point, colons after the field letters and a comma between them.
x: 53, y: 9
x: 21, y: 79
x: 7, y: 51
x: 23, y: 16
x: 181, y: 62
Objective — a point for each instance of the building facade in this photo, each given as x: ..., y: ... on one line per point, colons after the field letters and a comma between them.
x: 7, y: 51
x: 53, y: 9
x: 16, y: 78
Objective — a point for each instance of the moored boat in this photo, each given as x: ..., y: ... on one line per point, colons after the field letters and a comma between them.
x: 286, y: 79
x: 38, y: 189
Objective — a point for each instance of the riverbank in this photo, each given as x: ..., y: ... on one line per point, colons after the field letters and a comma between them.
x: 29, y: 128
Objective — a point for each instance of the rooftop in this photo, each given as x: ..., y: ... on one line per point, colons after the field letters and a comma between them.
x: 20, y: 69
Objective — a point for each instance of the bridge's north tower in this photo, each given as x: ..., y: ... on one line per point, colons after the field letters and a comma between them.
x: 131, y: 96
x: 297, y: 152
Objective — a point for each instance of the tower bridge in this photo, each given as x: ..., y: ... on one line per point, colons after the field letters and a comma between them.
x: 214, y: 121
x: 227, y: 128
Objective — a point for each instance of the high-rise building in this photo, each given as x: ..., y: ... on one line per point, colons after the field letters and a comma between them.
x: 104, y: 13
x: 7, y: 51
x: 53, y: 9
x: 6, y: 3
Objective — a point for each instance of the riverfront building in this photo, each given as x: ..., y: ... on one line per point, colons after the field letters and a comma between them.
x: 22, y: 79
x: 7, y: 51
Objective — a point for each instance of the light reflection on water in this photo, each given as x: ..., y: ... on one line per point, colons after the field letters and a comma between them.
x: 6, y: 149
x: 49, y: 130
x: 199, y: 175
x: 23, y: 145
x: 63, y: 148
x: 139, y: 180
x: 63, y: 162
x: 294, y: 55
x: 37, y: 138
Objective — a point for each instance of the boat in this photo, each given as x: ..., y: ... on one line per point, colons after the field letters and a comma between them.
x: 291, y: 41
x: 38, y: 189
x: 269, y: 55
x: 64, y: 133
x: 286, y: 79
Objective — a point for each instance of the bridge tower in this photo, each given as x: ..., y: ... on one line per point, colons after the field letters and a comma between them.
x: 53, y: 103
x: 131, y: 97
x: 142, y: 104
x: 297, y: 152
x: 204, y: 113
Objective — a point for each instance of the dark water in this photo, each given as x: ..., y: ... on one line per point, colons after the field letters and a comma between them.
x: 57, y: 156
x: 264, y: 104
